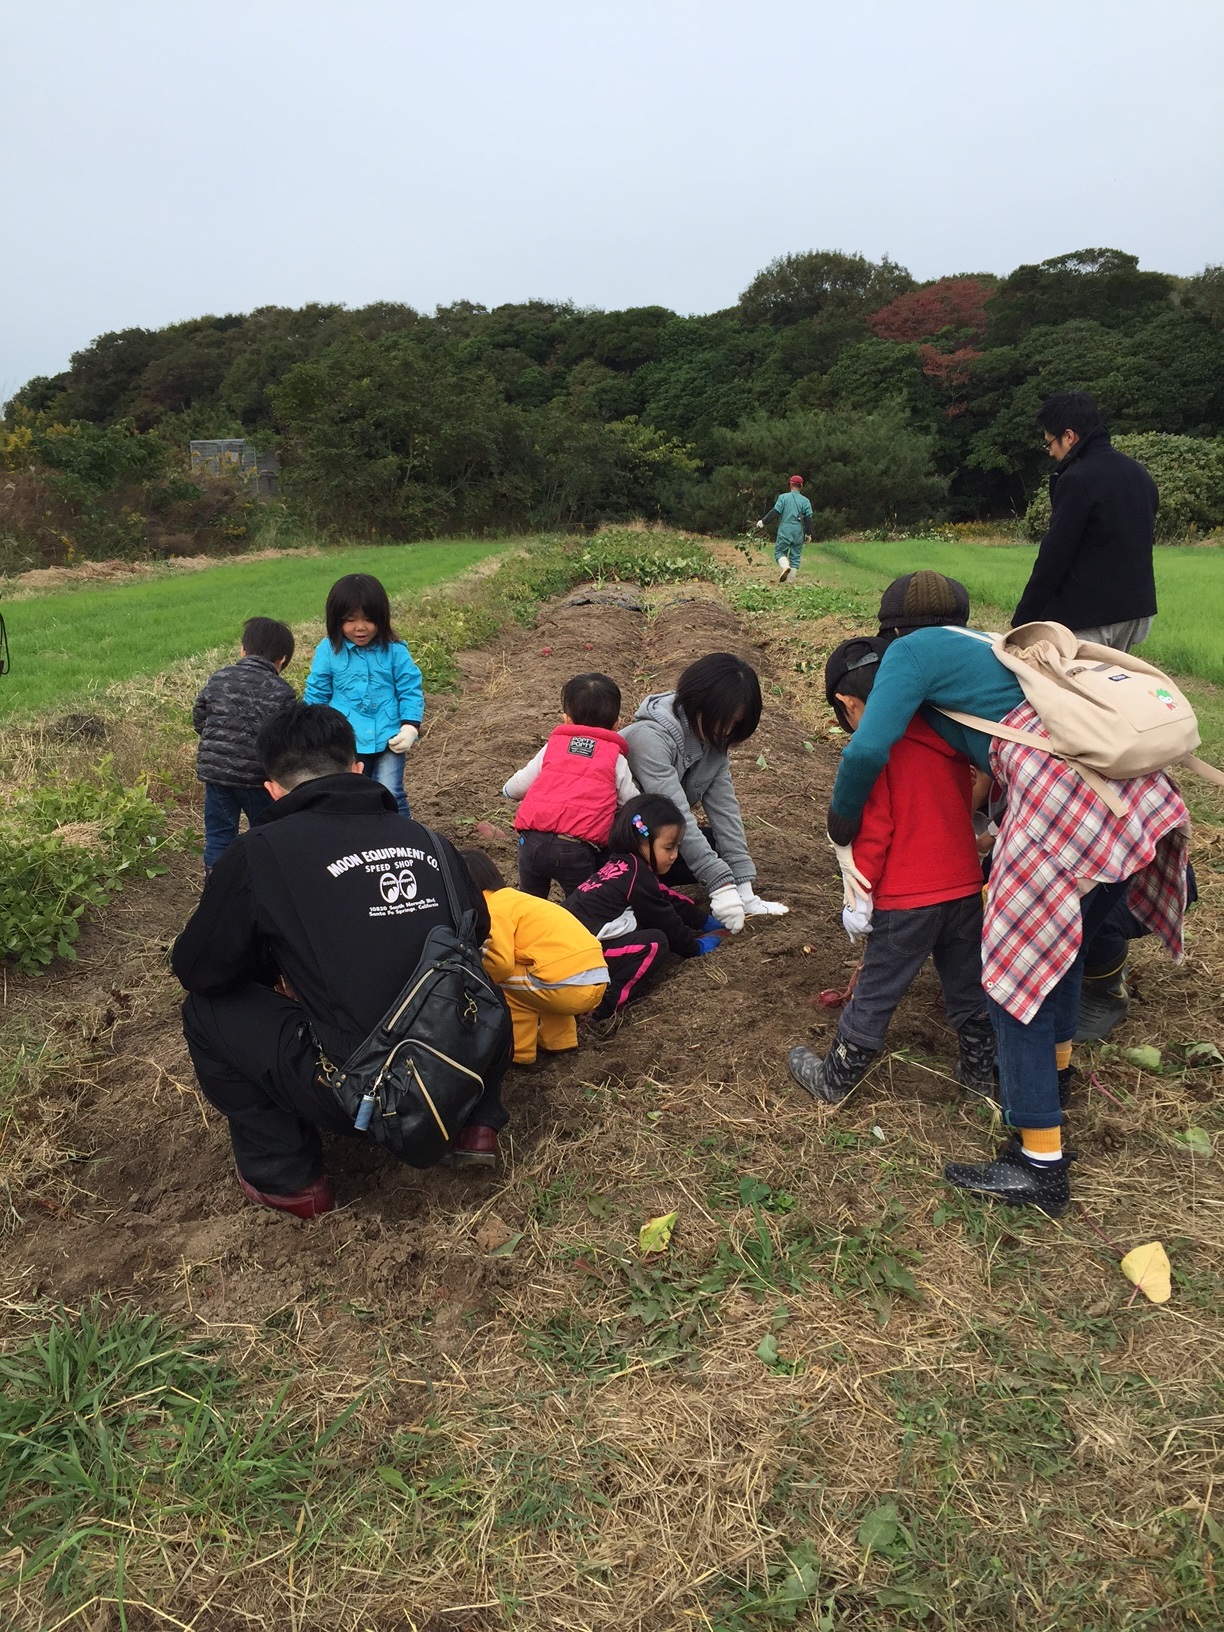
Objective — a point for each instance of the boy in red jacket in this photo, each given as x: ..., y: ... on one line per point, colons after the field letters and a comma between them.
x: 917, y: 850
x: 572, y: 789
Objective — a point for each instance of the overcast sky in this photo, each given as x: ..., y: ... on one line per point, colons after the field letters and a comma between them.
x: 163, y: 160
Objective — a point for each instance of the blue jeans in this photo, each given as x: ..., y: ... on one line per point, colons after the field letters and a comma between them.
x: 388, y: 769
x: 222, y: 808
x: 1028, y: 1075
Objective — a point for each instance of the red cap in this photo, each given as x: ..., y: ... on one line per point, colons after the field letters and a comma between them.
x: 796, y: 481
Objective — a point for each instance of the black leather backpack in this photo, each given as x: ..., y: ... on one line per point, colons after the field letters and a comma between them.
x: 414, y: 1081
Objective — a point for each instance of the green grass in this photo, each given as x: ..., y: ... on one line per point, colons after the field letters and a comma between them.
x: 71, y: 644
x: 1187, y: 636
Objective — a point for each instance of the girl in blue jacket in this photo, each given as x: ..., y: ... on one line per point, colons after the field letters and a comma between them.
x: 364, y: 670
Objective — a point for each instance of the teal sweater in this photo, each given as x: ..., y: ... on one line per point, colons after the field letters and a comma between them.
x: 949, y: 668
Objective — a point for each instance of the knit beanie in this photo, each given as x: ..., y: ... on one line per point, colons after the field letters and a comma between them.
x: 921, y: 599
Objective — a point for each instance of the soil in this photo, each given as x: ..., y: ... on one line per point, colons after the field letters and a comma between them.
x: 153, y: 1207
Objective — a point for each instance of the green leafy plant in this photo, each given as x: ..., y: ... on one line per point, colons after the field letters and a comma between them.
x: 63, y: 849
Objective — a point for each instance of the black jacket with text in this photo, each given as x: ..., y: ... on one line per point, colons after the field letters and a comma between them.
x: 1094, y: 565
x: 335, y: 892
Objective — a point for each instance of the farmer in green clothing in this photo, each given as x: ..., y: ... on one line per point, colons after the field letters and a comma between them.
x: 793, y: 514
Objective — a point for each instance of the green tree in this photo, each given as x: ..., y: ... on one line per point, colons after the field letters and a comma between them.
x: 820, y: 282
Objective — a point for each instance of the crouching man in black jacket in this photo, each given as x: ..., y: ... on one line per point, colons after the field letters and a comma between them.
x: 309, y: 927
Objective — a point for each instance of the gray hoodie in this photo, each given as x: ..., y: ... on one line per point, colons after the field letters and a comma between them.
x: 666, y: 756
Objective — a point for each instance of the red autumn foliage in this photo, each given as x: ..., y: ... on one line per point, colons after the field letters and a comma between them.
x: 947, y: 368
x: 952, y: 303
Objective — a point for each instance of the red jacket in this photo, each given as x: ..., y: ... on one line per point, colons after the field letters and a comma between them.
x: 916, y: 844
x: 575, y: 792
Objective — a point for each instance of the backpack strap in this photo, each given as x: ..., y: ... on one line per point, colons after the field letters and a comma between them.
x: 463, y: 918
x: 1104, y: 790
x: 1201, y: 768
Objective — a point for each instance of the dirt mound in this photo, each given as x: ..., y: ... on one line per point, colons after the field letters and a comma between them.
x: 154, y: 1205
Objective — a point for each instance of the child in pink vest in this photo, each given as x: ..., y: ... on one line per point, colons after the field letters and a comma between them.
x: 572, y: 789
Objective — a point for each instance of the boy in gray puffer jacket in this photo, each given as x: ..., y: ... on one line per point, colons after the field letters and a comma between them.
x: 228, y: 714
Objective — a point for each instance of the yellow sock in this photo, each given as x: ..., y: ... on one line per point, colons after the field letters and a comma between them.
x: 1062, y: 1055
x: 1043, y: 1144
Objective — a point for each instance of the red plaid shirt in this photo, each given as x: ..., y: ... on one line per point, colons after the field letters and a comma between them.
x: 1055, y: 834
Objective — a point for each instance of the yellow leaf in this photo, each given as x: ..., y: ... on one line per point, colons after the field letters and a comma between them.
x: 655, y: 1234
x: 1148, y: 1267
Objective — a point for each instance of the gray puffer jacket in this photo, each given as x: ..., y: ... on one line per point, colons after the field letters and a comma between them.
x: 666, y: 756
x: 228, y: 713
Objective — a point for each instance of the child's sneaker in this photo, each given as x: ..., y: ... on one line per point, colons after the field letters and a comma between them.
x: 834, y: 1077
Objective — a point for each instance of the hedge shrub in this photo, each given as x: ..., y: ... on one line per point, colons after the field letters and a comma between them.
x: 1188, y: 470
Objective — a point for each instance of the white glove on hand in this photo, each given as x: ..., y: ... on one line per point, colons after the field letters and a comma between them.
x: 856, y: 891
x: 404, y: 739
x: 760, y: 526
x: 754, y: 907
x: 856, y: 921
x: 726, y: 906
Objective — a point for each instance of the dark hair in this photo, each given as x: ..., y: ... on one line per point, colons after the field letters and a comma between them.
x: 721, y: 698
x: 482, y: 870
x: 267, y: 637
x: 1069, y: 411
x: 851, y: 669
x: 592, y: 699
x: 642, y: 818
x: 305, y: 741
x: 358, y: 592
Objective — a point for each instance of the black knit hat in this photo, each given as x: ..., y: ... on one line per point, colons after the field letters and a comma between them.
x: 921, y: 599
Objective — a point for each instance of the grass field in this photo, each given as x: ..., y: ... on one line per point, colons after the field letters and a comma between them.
x: 73, y: 643
x: 1189, y: 586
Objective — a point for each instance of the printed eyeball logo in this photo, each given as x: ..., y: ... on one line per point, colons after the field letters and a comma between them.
x: 401, y: 886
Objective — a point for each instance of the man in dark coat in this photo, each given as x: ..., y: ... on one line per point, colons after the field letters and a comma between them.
x: 309, y: 927
x: 1093, y: 571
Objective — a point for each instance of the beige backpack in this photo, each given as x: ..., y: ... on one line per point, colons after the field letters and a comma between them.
x: 1109, y: 714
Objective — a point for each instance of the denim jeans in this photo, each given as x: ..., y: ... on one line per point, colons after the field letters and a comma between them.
x: 1028, y: 1075
x: 388, y: 768
x: 222, y: 808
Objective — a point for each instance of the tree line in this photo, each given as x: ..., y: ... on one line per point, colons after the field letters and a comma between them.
x: 899, y: 401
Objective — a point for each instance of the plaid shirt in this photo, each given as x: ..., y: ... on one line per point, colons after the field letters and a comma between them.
x: 1057, y: 833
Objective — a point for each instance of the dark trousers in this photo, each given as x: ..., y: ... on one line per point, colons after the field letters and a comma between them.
x: 222, y: 808
x: 900, y: 942
x: 1028, y: 1072
x: 545, y: 856
x: 257, y: 1064
x: 635, y: 963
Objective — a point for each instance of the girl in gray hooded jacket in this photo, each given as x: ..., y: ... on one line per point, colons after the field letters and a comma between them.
x: 678, y: 742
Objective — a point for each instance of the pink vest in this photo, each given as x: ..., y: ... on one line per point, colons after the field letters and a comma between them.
x: 575, y: 792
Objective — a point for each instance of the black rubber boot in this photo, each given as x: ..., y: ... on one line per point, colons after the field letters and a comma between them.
x: 1018, y: 1181
x: 831, y: 1079
x: 1104, y: 1002
x: 975, y: 1070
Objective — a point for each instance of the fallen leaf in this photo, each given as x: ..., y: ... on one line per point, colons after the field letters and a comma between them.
x: 656, y: 1233
x: 1148, y: 1268
x: 762, y: 763
x: 1201, y: 1055
x: 1147, y: 1059
x: 491, y: 1234
x: 1196, y: 1140
x: 767, y: 1350
x: 507, y: 1247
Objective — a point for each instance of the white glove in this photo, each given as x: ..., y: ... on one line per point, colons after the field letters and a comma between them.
x: 726, y: 906
x: 856, y: 921
x: 856, y: 890
x: 754, y: 907
x: 404, y: 739
x: 760, y: 526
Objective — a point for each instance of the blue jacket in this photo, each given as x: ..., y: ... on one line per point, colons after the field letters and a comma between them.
x: 951, y: 668
x: 376, y: 688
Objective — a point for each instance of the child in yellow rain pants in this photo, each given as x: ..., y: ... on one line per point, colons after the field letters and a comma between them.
x: 549, y: 966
